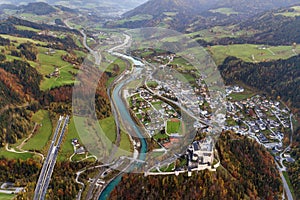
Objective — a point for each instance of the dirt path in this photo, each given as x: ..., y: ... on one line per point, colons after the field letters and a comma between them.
x: 19, y: 147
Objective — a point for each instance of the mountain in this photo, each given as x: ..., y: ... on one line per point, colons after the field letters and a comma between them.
x: 195, y: 14
x: 275, y: 27
x: 37, y: 8
x: 158, y: 7
x: 123, y: 5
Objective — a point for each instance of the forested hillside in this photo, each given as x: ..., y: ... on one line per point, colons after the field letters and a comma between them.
x: 19, y: 83
x: 279, y: 79
x: 247, y: 172
x: 273, y: 29
x: 294, y: 169
x: 195, y: 15
x: 8, y: 26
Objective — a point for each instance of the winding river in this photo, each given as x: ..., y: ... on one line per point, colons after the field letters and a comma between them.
x: 121, y: 107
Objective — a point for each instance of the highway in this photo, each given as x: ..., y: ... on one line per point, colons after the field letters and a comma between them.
x: 49, y: 163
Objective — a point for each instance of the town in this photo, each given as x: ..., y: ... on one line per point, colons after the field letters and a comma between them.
x: 157, y: 105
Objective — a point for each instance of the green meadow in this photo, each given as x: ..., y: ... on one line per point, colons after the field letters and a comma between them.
x: 109, y: 128
x: 43, y: 135
x: 6, y: 196
x: 295, y: 13
x: 12, y: 155
x: 251, y: 52
x: 25, y: 28
x: 48, y: 63
x: 173, y: 127
x: 225, y: 11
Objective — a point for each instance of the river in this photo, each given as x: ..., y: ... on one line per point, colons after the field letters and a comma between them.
x: 126, y: 117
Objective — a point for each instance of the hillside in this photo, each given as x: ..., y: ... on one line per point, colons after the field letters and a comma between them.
x: 274, y: 28
x: 279, y: 79
x: 38, y: 8
x: 247, y: 172
x: 294, y: 169
x: 24, y: 66
x: 194, y: 14
x: 95, y: 10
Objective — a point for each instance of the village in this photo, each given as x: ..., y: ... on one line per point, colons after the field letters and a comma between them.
x: 265, y: 120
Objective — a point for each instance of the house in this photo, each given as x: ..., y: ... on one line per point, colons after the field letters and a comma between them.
x: 75, y: 142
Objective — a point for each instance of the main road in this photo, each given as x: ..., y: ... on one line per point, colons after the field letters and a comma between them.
x: 49, y: 163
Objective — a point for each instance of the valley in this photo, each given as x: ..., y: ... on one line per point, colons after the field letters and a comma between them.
x: 207, y: 110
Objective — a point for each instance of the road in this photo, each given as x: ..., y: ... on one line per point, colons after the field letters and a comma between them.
x: 96, y: 54
x: 283, y: 168
x: 49, y: 163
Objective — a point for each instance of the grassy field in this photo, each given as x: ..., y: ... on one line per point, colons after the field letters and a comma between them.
x: 125, y: 146
x: 241, y: 96
x: 121, y: 63
x: 78, y: 157
x: 6, y: 196
x: 157, y: 105
x: 116, y: 61
x: 251, y: 52
x: 43, y: 135
x: 170, y: 14
x: 135, y: 18
x: 225, y: 11
x: 25, y: 28
x: 86, y: 129
x: 160, y: 136
x: 47, y: 66
x: 125, y: 142
x: 295, y: 13
x: 173, y: 126
x: 218, y: 32
x: 67, y: 147
x: 12, y: 155
x: 109, y: 128
x: 38, y: 18
x: 168, y: 168
x: 184, y: 64
x: 20, y: 40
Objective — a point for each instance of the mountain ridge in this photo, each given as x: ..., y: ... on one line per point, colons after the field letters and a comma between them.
x: 172, y: 13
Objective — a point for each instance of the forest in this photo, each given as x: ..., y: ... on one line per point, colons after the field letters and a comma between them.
x: 26, y: 172
x: 279, y: 79
x: 247, y: 171
x: 273, y: 29
x: 294, y: 168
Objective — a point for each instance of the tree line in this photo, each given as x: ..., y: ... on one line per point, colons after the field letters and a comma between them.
x: 279, y: 79
x: 247, y: 172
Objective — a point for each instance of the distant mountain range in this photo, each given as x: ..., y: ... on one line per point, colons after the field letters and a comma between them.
x: 37, y: 8
x: 195, y: 14
x: 124, y: 5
